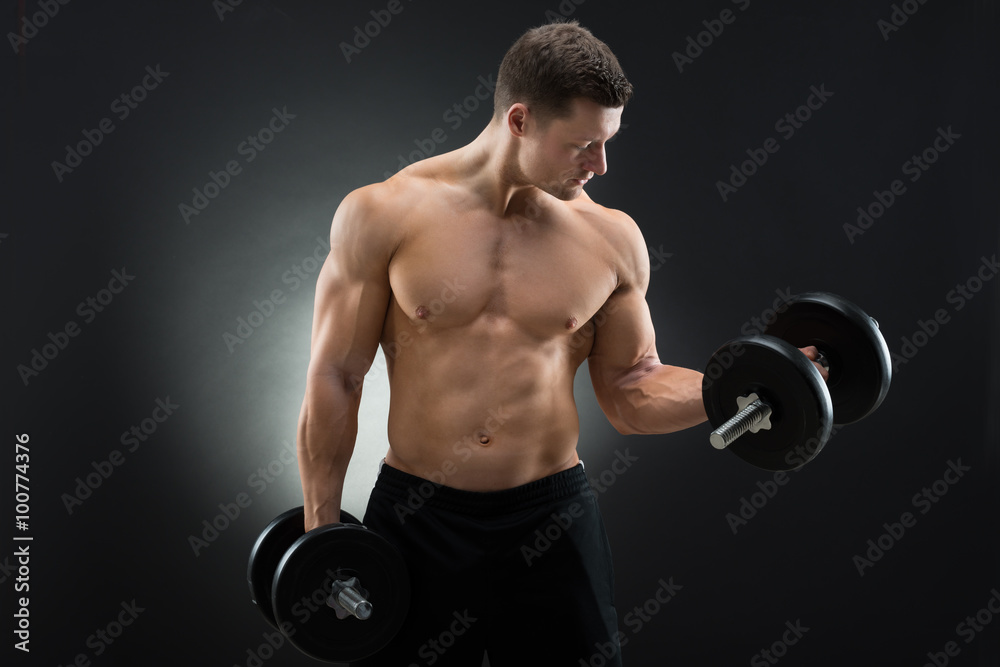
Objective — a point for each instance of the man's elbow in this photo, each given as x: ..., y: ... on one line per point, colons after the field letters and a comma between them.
x: 625, y: 429
x: 330, y: 394
x: 625, y: 399
x: 624, y: 422
x: 323, y: 378
x: 641, y: 408
x: 637, y: 427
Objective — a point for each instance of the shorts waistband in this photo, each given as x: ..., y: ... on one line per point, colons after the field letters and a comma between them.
x: 404, y: 487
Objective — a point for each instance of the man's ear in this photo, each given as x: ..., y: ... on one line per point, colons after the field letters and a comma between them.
x: 517, y: 118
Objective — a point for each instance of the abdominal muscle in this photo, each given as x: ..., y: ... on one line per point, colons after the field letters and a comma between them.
x: 482, y: 411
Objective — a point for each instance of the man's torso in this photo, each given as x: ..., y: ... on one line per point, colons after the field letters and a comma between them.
x: 488, y: 321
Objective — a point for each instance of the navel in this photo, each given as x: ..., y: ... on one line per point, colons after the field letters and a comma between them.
x: 484, y: 439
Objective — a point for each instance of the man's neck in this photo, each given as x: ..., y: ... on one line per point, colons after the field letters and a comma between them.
x: 489, y: 165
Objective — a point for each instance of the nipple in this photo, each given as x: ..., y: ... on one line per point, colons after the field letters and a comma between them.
x: 422, y: 312
x: 570, y: 323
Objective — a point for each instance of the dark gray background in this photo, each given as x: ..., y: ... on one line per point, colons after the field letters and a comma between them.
x: 163, y: 335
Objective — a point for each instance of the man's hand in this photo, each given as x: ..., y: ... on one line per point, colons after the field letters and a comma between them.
x: 814, y: 356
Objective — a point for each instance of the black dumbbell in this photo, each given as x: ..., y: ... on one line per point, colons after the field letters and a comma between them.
x: 339, y: 593
x: 769, y: 404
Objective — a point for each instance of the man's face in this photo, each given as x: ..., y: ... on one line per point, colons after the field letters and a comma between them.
x: 562, y: 155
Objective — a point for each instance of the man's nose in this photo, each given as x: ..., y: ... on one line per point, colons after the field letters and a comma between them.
x: 597, y: 160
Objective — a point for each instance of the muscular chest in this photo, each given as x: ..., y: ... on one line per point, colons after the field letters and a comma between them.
x: 546, y: 278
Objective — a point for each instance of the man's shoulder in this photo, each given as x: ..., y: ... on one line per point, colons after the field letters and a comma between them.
x: 377, y: 217
x: 611, y: 219
x: 396, y: 195
x: 616, y: 226
x: 623, y: 238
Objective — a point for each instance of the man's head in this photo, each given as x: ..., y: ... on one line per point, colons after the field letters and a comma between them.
x: 550, y: 66
x: 560, y: 93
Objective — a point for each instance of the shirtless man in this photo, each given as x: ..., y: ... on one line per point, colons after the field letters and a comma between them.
x: 488, y: 275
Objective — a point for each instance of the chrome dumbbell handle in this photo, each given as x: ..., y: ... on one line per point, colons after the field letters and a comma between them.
x: 348, y: 598
x: 754, y: 415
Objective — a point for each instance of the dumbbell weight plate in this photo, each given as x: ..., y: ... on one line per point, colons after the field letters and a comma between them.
x: 860, y: 364
x: 784, y: 378
x: 346, y: 517
x: 268, y: 551
x: 305, y: 576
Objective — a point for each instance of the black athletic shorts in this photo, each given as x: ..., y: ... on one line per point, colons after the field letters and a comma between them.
x: 524, y: 574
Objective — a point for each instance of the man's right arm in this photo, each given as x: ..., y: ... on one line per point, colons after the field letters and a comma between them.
x: 352, y: 295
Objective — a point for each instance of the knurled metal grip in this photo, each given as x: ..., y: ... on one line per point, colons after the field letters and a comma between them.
x: 754, y: 415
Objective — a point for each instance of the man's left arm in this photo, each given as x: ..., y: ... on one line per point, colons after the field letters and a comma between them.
x: 637, y: 393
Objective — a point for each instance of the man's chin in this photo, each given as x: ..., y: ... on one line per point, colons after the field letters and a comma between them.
x: 563, y: 191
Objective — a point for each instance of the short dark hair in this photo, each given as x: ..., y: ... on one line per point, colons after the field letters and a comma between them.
x: 549, y: 66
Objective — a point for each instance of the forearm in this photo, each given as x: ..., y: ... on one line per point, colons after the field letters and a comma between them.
x: 328, y: 428
x: 659, y: 399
